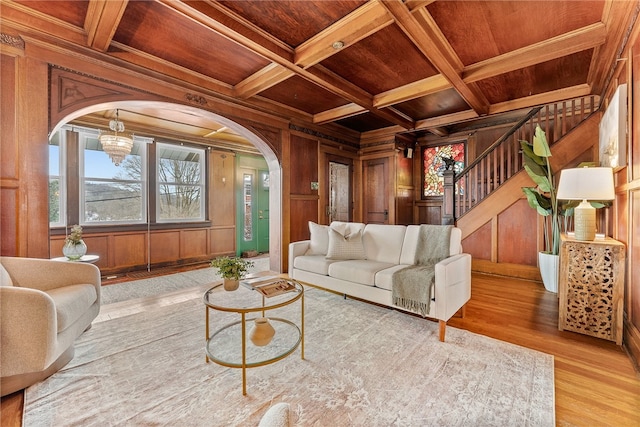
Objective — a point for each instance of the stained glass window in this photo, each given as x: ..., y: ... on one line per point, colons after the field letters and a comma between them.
x: 434, y: 165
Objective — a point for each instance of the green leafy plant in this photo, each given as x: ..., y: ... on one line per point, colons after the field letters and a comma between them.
x: 75, y: 236
x: 542, y: 197
x: 232, y: 267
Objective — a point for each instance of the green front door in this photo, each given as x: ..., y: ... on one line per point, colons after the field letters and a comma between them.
x: 253, y: 210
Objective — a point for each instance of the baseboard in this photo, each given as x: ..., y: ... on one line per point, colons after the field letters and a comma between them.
x: 519, y: 271
x: 631, y: 343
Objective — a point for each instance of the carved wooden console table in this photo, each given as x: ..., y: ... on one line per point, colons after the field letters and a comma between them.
x: 592, y: 287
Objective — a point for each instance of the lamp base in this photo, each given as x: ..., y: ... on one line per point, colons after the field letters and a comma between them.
x: 585, y: 221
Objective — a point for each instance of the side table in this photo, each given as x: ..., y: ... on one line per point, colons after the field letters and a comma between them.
x: 592, y: 287
x: 84, y: 258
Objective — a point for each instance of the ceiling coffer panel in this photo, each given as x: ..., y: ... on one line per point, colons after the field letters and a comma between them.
x: 185, y: 43
x: 383, y: 61
x: 302, y: 95
x: 493, y: 28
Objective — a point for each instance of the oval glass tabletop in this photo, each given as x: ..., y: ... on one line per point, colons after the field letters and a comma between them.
x: 250, y: 297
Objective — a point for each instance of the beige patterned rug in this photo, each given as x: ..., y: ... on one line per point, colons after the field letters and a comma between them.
x: 365, y: 366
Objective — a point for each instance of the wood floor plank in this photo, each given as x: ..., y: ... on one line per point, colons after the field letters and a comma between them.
x: 595, y: 382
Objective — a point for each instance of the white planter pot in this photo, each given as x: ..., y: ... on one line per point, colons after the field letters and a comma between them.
x: 549, y: 270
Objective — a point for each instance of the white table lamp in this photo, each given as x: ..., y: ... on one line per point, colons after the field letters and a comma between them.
x: 586, y: 184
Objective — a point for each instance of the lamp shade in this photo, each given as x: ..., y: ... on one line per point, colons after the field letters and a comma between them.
x: 586, y: 184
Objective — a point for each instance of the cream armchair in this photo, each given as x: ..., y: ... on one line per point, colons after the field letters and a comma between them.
x: 44, y: 306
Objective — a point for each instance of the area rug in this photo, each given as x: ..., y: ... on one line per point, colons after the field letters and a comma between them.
x: 364, y: 365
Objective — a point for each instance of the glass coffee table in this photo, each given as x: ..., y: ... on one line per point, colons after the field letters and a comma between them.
x: 233, y: 314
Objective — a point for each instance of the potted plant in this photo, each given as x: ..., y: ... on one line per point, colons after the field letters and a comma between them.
x: 543, y: 199
x: 74, y: 247
x: 232, y: 269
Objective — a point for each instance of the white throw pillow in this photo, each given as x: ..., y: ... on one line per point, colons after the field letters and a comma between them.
x: 277, y: 416
x: 345, y: 246
x: 5, y: 279
x: 319, y: 239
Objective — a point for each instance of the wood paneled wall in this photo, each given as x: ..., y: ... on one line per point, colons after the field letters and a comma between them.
x: 305, y: 202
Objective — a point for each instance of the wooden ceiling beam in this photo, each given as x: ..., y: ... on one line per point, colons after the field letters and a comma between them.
x: 542, y: 98
x: 269, y: 76
x: 101, y: 22
x: 338, y: 113
x: 446, y: 119
x: 566, y: 44
x: 415, y: 4
x: 361, y: 23
x: 425, y: 34
x: 410, y: 91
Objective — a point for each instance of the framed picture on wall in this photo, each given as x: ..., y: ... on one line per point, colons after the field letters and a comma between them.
x: 613, y: 131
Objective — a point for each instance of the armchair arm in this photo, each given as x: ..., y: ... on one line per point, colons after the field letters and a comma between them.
x: 297, y: 249
x: 28, y: 330
x: 44, y: 274
x: 452, y: 284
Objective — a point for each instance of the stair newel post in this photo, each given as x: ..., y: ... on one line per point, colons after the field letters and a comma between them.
x: 448, y: 200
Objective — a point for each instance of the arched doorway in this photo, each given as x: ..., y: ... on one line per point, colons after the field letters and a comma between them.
x: 179, y: 110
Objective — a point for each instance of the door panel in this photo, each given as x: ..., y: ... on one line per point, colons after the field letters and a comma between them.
x: 262, y: 202
x: 376, y: 194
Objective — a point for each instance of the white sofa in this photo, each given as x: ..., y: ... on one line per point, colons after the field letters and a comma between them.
x: 387, y: 248
x: 44, y: 306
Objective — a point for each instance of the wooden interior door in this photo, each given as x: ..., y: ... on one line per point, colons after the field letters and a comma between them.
x: 376, y: 191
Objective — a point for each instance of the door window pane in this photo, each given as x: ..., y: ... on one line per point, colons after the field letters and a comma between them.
x: 247, y: 193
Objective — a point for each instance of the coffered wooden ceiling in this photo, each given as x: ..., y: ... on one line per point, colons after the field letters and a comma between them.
x: 361, y: 66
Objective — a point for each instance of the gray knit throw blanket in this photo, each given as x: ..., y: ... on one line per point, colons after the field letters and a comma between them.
x: 412, y: 285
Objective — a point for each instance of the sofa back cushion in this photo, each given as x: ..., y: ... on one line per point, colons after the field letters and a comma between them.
x: 384, y: 242
x: 411, y: 242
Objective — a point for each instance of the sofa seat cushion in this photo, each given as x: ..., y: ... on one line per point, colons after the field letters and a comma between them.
x: 72, y: 302
x: 313, y: 263
x: 358, y: 271
x: 384, y: 278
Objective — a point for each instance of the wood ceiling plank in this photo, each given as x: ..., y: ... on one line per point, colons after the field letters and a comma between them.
x: 101, y: 22
x: 411, y: 91
x: 354, y: 27
x: 616, y: 17
x: 566, y: 44
x: 424, y: 32
x: 542, y: 98
x: 338, y: 113
x: 269, y: 76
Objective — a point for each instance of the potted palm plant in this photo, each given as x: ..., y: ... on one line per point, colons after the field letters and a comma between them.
x: 543, y: 199
x: 232, y: 269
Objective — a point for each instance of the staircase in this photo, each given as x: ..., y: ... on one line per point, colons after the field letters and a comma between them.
x: 497, y: 175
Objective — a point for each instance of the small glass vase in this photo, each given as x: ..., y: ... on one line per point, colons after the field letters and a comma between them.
x: 74, y: 251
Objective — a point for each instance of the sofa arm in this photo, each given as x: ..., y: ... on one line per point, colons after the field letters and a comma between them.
x: 44, y: 274
x: 452, y: 285
x: 28, y: 330
x: 297, y: 249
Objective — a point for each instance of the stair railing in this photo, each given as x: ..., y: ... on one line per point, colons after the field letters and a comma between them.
x: 503, y: 158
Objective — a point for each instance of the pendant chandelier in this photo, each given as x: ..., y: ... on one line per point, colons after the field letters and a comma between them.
x: 116, y: 143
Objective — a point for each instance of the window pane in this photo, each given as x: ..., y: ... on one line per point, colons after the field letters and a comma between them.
x: 180, y: 183
x: 113, y: 202
x: 434, y: 166
x: 111, y: 193
x: 179, y: 202
x: 54, y: 201
x: 56, y: 179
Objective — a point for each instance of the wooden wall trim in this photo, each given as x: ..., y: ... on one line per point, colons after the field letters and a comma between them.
x: 526, y: 272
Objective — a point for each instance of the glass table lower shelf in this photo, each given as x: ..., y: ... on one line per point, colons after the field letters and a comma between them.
x: 225, y: 346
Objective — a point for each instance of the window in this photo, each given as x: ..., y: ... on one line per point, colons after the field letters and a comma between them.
x: 57, y: 184
x: 181, y: 183
x: 434, y: 165
x: 110, y: 193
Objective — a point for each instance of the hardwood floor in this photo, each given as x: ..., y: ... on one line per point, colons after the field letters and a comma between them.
x: 596, y: 384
